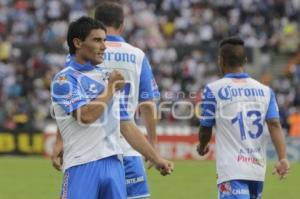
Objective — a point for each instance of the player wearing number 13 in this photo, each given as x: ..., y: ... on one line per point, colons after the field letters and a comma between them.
x: 240, y: 108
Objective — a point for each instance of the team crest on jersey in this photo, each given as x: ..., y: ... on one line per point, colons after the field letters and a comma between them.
x: 62, y: 79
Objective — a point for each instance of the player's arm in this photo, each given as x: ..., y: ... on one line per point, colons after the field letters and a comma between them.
x: 148, y: 113
x: 204, y: 138
x: 148, y: 92
x: 277, y: 137
x: 207, y: 120
x: 137, y: 140
x: 274, y: 126
x: 90, y: 112
x: 282, y: 166
x: 57, y: 156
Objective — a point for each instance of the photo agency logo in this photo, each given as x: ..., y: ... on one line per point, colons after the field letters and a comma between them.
x: 179, y: 105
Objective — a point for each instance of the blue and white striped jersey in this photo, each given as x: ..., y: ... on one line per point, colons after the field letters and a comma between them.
x: 238, y: 107
x: 73, y: 87
x: 135, y: 67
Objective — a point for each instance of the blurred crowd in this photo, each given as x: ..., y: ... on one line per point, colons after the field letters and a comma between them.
x: 180, y: 37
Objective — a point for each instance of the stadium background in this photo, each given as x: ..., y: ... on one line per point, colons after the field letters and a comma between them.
x: 180, y: 37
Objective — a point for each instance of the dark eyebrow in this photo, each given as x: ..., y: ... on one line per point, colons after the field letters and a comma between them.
x: 99, y: 38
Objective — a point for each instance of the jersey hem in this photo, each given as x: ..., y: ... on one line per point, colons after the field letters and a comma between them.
x: 88, y: 161
x: 240, y: 178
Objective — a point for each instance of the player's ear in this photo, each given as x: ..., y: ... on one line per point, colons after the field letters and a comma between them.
x: 77, y: 43
x: 121, y: 28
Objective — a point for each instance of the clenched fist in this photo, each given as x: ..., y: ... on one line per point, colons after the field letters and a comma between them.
x: 116, y: 80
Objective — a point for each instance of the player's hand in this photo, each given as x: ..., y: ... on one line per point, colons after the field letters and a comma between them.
x: 165, y: 167
x: 116, y: 80
x: 57, y: 156
x: 202, y: 150
x: 281, y: 168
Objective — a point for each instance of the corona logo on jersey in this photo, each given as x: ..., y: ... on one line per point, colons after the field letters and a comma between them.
x: 120, y: 57
x: 228, y: 92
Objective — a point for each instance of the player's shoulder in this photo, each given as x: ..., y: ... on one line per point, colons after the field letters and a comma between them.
x: 134, y: 49
x: 216, y: 83
x: 258, y: 84
x: 66, y: 74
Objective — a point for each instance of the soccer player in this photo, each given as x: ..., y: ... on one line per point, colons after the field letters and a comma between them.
x: 141, y: 89
x: 240, y: 108
x: 87, y: 113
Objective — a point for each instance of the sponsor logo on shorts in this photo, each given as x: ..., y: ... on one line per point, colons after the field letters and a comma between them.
x: 135, y: 180
x: 226, y: 189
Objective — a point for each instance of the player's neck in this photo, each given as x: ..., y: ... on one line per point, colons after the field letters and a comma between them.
x: 233, y: 70
x: 81, y: 61
x: 113, y: 31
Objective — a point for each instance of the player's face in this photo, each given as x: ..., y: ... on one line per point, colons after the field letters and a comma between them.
x: 93, y: 46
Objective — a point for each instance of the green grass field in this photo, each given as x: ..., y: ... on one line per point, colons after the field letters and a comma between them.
x: 34, y: 178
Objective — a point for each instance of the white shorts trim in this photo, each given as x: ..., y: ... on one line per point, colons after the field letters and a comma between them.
x: 140, y: 196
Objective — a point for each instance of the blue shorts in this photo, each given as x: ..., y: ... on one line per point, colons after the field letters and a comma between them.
x: 136, y: 179
x: 240, y: 189
x: 104, y: 178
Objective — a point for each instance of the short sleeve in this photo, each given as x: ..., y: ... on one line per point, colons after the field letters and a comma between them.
x: 208, y: 108
x: 148, y: 88
x: 273, y: 111
x: 69, y: 93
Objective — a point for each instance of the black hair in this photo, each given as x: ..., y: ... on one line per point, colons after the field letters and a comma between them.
x: 80, y: 29
x: 233, y: 52
x: 111, y: 13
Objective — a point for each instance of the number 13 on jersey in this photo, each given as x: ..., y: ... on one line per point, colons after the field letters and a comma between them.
x: 256, y: 121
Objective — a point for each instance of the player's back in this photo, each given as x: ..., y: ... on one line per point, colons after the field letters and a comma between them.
x: 242, y: 105
x: 128, y: 59
x: 135, y: 67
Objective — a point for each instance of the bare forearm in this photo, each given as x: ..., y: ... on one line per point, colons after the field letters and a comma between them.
x: 277, y: 138
x: 137, y: 140
x: 204, y: 135
x: 148, y: 113
x: 58, y: 136
x: 90, y: 112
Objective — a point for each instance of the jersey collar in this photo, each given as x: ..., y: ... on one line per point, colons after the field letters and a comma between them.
x: 114, y: 38
x: 237, y: 75
x: 77, y: 66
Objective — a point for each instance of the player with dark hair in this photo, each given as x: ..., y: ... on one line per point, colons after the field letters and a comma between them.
x: 240, y: 108
x: 140, y: 90
x: 88, y: 115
